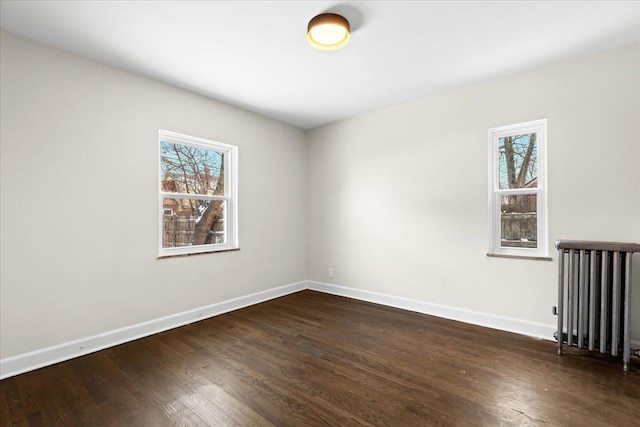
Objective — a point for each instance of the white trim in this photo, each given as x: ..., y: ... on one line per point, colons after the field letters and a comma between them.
x: 25, y: 362
x: 193, y: 196
x: 533, y: 329
x: 194, y: 141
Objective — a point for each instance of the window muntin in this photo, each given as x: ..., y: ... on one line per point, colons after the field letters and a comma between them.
x: 517, y: 190
x: 198, y: 195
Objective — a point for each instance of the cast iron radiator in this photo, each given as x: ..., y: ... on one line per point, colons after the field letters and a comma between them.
x: 594, y: 278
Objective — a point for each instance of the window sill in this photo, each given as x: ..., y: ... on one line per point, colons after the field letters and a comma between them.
x: 196, y: 253
x: 533, y: 258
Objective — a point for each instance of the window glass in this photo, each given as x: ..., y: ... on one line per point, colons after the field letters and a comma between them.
x: 518, y: 164
x: 192, y: 222
x: 519, y: 221
x: 191, y: 170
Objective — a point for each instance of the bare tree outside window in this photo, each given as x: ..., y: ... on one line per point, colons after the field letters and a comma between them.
x: 518, y: 224
x: 194, y: 171
x: 518, y: 169
x: 518, y: 161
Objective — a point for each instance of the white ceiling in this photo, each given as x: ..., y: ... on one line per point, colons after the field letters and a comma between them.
x: 254, y: 54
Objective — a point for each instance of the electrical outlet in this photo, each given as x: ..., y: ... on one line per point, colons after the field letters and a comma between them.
x: 330, y: 272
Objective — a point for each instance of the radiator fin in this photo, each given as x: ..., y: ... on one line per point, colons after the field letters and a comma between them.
x: 594, y: 291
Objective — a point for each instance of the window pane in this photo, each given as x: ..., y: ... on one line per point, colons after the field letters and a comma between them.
x: 190, y: 222
x: 519, y: 221
x: 518, y: 163
x: 191, y: 170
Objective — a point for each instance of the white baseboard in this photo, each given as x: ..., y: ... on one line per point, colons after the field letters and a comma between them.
x: 21, y: 363
x: 538, y: 330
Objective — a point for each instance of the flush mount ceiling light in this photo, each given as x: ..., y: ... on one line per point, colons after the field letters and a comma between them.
x: 328, y: 31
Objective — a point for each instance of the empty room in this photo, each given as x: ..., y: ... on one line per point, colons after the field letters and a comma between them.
x: 318, y: 213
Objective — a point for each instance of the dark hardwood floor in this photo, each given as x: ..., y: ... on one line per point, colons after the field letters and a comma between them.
x: 311, y: 359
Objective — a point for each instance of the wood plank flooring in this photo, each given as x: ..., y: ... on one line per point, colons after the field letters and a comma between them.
x: 311, y: 359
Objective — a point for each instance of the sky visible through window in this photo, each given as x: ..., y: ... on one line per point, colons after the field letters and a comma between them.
x: 191, y: 169
x: 516, y: 152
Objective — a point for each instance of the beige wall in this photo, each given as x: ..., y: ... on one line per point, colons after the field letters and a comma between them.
x: 79, y: 147
x: 398, y: 197
x: 394, y: 201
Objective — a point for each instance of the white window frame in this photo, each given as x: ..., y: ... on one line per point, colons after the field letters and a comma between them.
x: 495, y: 243
x: 230, y: 196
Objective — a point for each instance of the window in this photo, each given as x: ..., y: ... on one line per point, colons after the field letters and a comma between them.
x: 518, y: 190
x: 198, y: 195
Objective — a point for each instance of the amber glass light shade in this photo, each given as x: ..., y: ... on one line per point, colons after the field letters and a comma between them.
x: 328, y: 31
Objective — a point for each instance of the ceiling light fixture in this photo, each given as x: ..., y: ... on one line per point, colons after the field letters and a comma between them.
x: 328, y: 31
